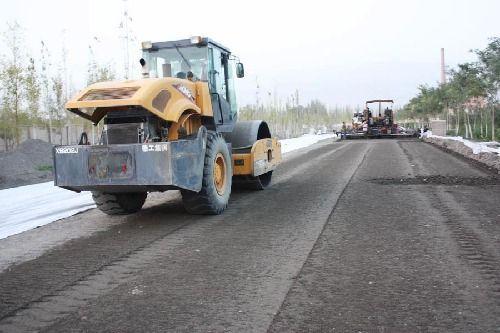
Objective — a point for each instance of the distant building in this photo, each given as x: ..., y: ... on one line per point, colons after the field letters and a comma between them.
x: 438, y: 127
x: 476, y: 103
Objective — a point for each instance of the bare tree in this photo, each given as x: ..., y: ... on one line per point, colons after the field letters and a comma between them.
x: 97, y: 72
x: 47, y: 99
x: 13, y: 76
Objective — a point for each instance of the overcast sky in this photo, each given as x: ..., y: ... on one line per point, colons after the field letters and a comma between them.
x: 341, y: 52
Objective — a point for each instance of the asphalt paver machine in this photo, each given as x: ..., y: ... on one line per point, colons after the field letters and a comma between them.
x: 377, y: 123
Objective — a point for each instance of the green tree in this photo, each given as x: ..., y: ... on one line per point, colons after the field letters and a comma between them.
x: 32, y: 89
x: 466, y: 84
x: 489, y: 62
x: 59, y: 100
x: 429, y: 102
x: 471, y: 90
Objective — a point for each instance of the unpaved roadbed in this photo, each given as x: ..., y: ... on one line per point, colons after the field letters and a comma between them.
x: 336, y: 244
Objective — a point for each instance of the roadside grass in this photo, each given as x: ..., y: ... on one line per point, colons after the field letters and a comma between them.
x: 44, y: 168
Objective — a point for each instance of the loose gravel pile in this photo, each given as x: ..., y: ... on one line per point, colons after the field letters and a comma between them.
x: 491, y: 160
x: 30, y: 163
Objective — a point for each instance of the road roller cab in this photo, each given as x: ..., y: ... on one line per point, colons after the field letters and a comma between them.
x: 176, y: 128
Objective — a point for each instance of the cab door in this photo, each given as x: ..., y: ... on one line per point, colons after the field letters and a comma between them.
x: 221, y: 89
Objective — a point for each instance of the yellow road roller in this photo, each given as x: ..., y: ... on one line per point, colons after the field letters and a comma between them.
x: 175, y: 128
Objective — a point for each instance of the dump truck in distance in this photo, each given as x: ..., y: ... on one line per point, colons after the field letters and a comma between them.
x: 176, y: 128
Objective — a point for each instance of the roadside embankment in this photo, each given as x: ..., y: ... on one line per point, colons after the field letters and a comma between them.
x: 30, y: 163
x: 486, y: 153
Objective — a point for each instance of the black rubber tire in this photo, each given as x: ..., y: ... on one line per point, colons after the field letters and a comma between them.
x: 208, y: 201
x: 263, y: 180
x: 119, y: 203
x: 253, y: 183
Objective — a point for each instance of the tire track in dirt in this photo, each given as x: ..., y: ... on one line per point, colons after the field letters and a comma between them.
x: 45, y: 310
x: 295, y: 278
x: 301, y: 168
x: 446, y: 256
x: 471, y: 248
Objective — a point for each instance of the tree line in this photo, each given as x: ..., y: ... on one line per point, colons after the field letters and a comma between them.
x: 34, y: 89
x: 469, y: 100
x: 288, y: 120
x: 35, y: 86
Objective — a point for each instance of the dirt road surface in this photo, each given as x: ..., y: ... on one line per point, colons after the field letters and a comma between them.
x: 356, y: 236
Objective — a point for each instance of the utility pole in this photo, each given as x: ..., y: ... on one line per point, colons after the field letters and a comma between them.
x: 127, y: 38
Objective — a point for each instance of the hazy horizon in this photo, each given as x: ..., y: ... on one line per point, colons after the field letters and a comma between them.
x: 341, y: 53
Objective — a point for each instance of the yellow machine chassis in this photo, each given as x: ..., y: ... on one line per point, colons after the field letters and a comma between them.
x: 264, y: 156
x: 180, y: 96
x: 185, y: 103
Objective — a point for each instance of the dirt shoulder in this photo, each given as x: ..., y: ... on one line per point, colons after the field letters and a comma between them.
x: 30, y: 163
x: 486, y: 159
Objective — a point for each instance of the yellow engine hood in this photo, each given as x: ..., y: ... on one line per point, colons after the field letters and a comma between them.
x: 165, y: 97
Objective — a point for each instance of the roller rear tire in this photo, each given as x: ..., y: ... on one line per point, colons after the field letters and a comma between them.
x: 119, y: 203
x: 263, y: 181
x: 257, y: 183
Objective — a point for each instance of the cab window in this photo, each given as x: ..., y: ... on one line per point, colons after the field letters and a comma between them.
x: 176, y: 62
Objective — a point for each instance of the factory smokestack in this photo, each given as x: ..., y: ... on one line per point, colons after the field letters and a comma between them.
x: 443, y: 73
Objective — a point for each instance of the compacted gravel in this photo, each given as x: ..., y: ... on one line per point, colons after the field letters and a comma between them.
x: 353, y: 236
